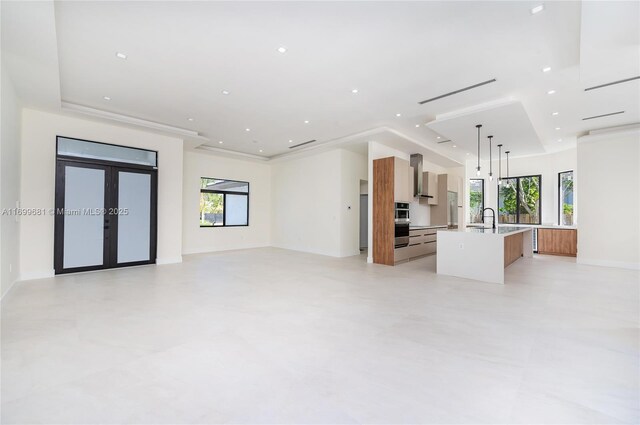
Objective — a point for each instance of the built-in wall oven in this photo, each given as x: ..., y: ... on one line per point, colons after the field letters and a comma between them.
x: 401, y: 212
x: 402, y: 222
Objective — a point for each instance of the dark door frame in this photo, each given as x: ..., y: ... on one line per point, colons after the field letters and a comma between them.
x: 110, y: 224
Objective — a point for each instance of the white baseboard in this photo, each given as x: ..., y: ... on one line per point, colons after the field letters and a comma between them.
x: 36, y: 275
x: 214, y: 250
x: 607, y: 263
x: 169, y: 260
x: 370, y: 260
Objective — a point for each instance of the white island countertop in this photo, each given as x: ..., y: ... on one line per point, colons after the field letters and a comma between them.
x: 498, y: 231
x: 482, y: 253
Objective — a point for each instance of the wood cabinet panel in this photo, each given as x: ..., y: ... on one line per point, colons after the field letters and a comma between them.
x: 439, y: 214
x: 401, y: 180
x: 512, y: 248
x: 558, y: 242
x: 383, y: 211
x: 430, y: 187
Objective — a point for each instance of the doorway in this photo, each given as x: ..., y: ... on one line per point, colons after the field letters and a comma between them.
x: 364, y: 215
x: 106, y: 209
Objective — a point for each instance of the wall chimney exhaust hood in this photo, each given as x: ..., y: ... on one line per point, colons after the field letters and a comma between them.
x: 416, y: 162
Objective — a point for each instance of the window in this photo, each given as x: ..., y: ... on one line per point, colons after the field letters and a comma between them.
x: 519, y: 200
x: 223, y: 203
x: 476, y: 200
x: 565, y: 203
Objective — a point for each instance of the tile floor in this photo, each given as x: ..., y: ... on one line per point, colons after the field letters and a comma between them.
x: 276, y: 336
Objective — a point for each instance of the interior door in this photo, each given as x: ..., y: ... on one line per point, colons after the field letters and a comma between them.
x: 82, y: 225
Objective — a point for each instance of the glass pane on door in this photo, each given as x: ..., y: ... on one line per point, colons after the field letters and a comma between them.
x: 84, y: 217
x: 134, y: 216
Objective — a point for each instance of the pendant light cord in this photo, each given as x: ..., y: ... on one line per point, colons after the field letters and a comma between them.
x: 490, y: 160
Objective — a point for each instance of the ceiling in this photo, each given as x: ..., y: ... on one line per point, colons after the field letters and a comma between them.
x: 182, y: 56
x: 508, y: 123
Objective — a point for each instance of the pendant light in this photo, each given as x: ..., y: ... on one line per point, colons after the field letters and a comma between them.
x: 490, y: 160
x: 507, y: 152
x: 478, y: 168
x: 500, y: 163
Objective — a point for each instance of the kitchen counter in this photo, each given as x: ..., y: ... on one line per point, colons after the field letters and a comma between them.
x: 532, y: 226
x: 500, y: 230
x: 482, y: 253
x: 418, y: 227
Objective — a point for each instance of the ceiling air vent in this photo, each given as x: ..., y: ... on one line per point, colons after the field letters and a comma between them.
x: 612, y: 83
x: 302, y: 144
x: 458, y: 91
x: 603, y: 115
x: 444, y: 141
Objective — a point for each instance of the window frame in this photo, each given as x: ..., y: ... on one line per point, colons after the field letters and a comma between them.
x: 483, y: 196
x: 224, y: 194
x: 560, y: 203
x: 539, y: 176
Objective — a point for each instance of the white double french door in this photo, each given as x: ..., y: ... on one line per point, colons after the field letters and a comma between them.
x: 105, y: 216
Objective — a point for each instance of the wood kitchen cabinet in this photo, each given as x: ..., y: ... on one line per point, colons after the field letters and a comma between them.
x: 421, y: 242
x: 430, y: 187
x: 558, y: 242
x: 401, y: 174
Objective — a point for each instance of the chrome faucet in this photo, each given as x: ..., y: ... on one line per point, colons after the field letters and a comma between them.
x: 493, y: 224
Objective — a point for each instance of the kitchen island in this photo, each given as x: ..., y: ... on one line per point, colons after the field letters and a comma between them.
x: 482, y: 253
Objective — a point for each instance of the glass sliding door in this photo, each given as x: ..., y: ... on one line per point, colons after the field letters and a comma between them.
x: 519, y: 200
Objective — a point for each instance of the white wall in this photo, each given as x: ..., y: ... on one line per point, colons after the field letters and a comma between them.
x: 310, y: 203
x: 257, y: 234
x: 9, y: 182
x: 609, y: 233
x: 548, y: 165
x: 39, y: 131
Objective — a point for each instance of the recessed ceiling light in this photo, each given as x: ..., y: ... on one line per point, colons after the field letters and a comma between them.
x: 537, y: 9
x: 221, y: 142
x: 559, y: 140
x: 438, y: 137
x: 306, y: 121
x: 226, y: 92
x: 398, y: 115
x: 106, y: 98
x: 290, y: 141
x: 546, y: 69
x: 260, y: 150
x: 247, y: 129
x: 121, y: 55
x: 189, y: 119
x: 282, y: 49
x: 454, y: 146
x: 354, y: 91
x: 468, y: 154
x: 555, y: 113
x: 417, y: 125
x: 551, y: 92
x: 557, y: 128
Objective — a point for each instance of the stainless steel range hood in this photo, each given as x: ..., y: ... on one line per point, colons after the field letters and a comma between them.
x: 416, y: 162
